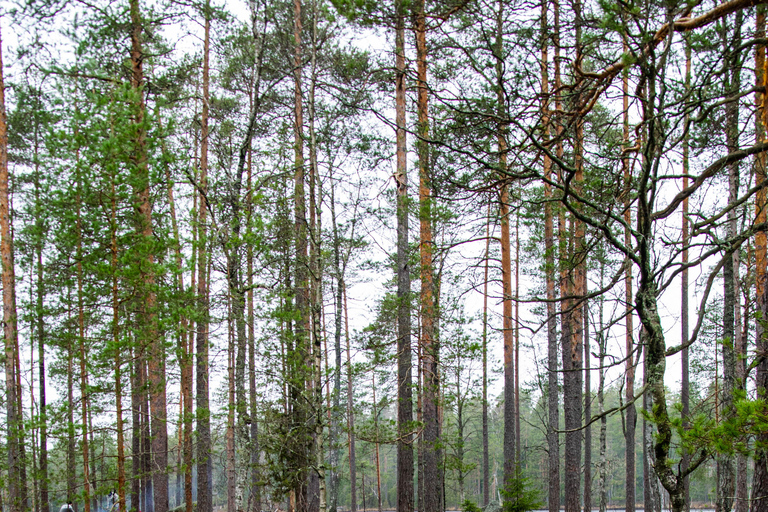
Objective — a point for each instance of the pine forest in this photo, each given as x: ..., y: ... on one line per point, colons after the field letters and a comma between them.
x: 408, y: 255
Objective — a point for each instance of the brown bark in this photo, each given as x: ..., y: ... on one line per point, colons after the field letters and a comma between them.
x: 350, y: 415
x: 204, y: 463
x: 81, y: 336
x: 553, y: 408
x: 336, y: 410
x: 185, y: 423
x: 121, y: 498
x: 254, y: 498
x: 486, y: 455
x: 230, y: 432
x: 510, y: 460
x: 41, y: 337
x: 602, y: 349
x: 433, y: 496
x: 572, y: 339
x: 685, y: 382
x: 148, y: 336
x: 587, y: 416
x: 405, y: 502
x: 377, y: 455
x: 15, y: 433
x: 136, y: 456
x: 760, y: 476
x: 726, y: 488
x: 629, y: 345
x: 300, y: 356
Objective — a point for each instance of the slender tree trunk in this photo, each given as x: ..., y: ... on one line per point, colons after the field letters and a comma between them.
x: 185, y: 420
x: 15, y: 433
x: 510, y: 460
x: 486, y: 455
x: 685, y: 381
x: 602, y: 349
x: 338, y: 315
x: 254, y: 499
x: 148, y: 331
x: 41, y: 336
x: 405, y: 491
x: 760, y: 476
x: 377, y: 457
x: 230, y: 432
x: 122, y: 504
x: 572, y: 345
x: 587, y: 416
x: 316, y: 285
x: 146, y: 448
x: 136, y: 434
x: 725, y: 463
x: 81, y: 336
x: 350, y: 415
x: 301, y: 283
x: 553, y: 408
x: 629, y: 393
x: 518, y: 440
x: 432, y: 500
x: 203, y: 413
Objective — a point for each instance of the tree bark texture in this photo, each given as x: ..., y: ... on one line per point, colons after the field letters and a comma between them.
x: 405, y: 490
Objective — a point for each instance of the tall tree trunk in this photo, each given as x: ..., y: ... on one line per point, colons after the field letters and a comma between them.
x: 121, y: 498
x: 685, y: 392
x: 146, y: 448
x: 572, y: 344
x: 203, y: 413
x: 185, y: 420
x: 40, y: 323
x: 254, y: 499
x: 405, y: 489
x: 301, y: 282
x: 602, y: 349
x: 760, y: 475
x: 377, y: 458
x: 149, y: 335
x: 81, y: 337
x: 630, y: 423
x: 15, y: 433
x: 136, y: 430
x: 350, y: 414
x: 587, y: 416
x: 553, y: 407
x: 725, y: 463
x: 518, y: 440
x: 433, y: 496
x: 486, y: 454
x: 510, y: 460
x: 316, y: 286
x: 336, y: 412
x: 230, y: 432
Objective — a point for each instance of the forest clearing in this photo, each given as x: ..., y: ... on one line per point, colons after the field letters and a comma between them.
x: 347, y: 255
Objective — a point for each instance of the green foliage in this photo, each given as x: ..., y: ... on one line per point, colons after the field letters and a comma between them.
x: 470, y: 506
x: 519, y: 496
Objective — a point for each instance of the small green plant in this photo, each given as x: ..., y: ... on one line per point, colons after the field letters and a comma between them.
x: 518, y: 496
x: 470, y: 506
